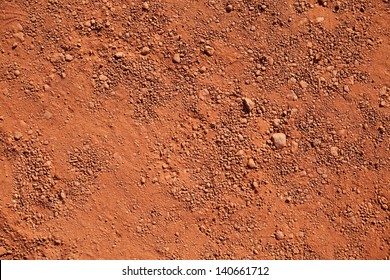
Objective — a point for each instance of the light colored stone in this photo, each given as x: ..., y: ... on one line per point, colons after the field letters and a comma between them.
x: 249, y: 105
x: 145, y: 6
x: 68, y: 57
x: 19, y: 36
x: 103, y: 77
x: 176, y: 58
x: 209, y: 51
x: 334, y: 151
x: 276, y: 122
x: 251, y: 163
x: 294, y: 147
x: 303, y: 84
x: 119, y: 55
x: 145, y: 51
x: 47, y: 115
x: 279, y: 235
x: 17, y: 135
x: 229, y: 8
x: 279, y: 140
x: 46, y: 87
x: 57, y: 57
x: 63, y: 195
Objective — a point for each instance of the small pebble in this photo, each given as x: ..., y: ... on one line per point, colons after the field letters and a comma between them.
x: 119, y: 55
x: 303, y: 84
x: 279, y: 140
x: 294, y: 147
x: 279, y: 235
x: 18, y: 135
x: 251, y: 163
x: 47, y: 115
x: 248, y: 104
x: 68, y: 57
x: 176, y: 58
x: 209, y: 51
x: 229, y: 8
x: 103, y: 77
x: 276, y: 122
x: 145, y: 51
x: 57, y: 57
x: 334, y: 151
x: 63, y: 195
x: 145, y: 6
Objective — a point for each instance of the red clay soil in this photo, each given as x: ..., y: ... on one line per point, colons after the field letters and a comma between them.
x: 194, y: 129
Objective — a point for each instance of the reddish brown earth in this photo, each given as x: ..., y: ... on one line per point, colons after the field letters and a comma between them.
x: 145, y: 130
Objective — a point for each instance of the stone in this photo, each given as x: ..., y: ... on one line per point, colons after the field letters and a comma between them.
x: 251, y: 163
x: 105, y: 85
x: 203, y: 94
x: 209, y: 51
x: 323, y: 3
x: 279, y: 235
x: 47, y: 115
x: 119, y: 55
x: 103, y: 77
x: 294, y: 147
x: 316, y: 142
x: 279, y: 140
x: 17, y: 135
x: 176, y: 58
x: 248, y: 104
x: 68, y: 57
x: 145, y: 6
x: 63, y: 195
x: 57, y: 57
x: 292, y: 96
x: 334, y: 151
x: 229, y: 8
x: 202, y: 69
x: 276, y: 122
x: 145, y: 51
x: 303, y: 84
x: 19, y: 36
x: 18, y: 27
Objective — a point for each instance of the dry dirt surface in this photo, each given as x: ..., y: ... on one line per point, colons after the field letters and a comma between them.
x: 191, y: 129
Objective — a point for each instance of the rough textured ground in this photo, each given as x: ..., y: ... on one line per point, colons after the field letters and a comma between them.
x: 194, y: 129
